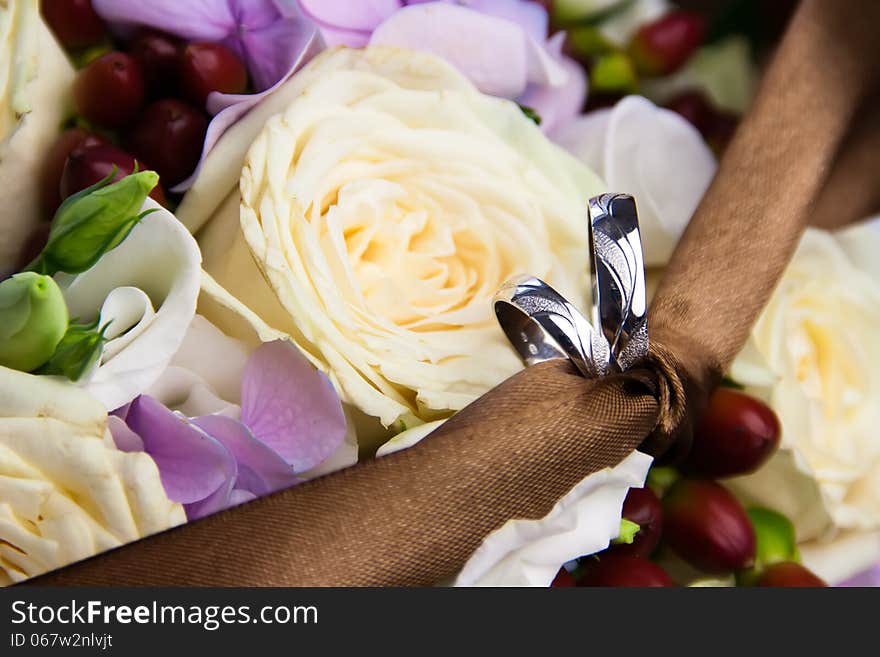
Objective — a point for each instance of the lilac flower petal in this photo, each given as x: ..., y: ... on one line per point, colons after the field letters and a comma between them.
x: 360, y: 16
x: 217, y: 501
x: 290, y: 406
x: 192, y: 465
x: 530, y: 16
x: 229, y: 108
x: 240, y: 497
x: 272, y: 50
x: 261, y: 470
x: 199, y: 20
x: 491, y: 52
x: 126, y: 440
x: 870, y: 577
x: 558, y: 106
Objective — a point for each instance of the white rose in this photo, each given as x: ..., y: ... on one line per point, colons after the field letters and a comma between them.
x: 35, y: 82
x: 66, y: 491
x: 651, y: 153
x: 383, y: 209
x: 818, y: 336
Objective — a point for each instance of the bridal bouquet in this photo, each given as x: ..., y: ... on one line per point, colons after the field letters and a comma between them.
x: 246, y: 244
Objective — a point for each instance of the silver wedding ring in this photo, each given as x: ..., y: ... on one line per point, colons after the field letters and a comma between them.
x: 542, y: 325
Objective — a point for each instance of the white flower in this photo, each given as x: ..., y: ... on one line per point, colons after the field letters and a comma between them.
x: 384, y: 208
x: 147, y: 288
x: 35, y: 81
x: 651, y: 153
x: 530, y: 552
x: 818, y: 336
x: 66, y: 491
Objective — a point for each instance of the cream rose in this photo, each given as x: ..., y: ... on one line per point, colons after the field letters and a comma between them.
x: 383, y: 209
x: 35, y: 81
x: 818, y: 335
x: 66, y: 491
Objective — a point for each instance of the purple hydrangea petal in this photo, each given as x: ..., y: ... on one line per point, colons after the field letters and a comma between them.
x: 530, y: 16
x: 290, y: 406
x: 272, y: 50
x: 359, y: 16
x: 194, y: 20
x: 558, y: 105
x: 491, y: 52
x: 125, y: 439
x: 217, y: 501
x: 261, y: 470
x: 192, y: 465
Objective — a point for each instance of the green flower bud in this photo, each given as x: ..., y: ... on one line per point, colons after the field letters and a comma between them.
x: 613, y: 73
x: 776, y: 542
x: 78, y: 352
x: 33, y: 319
x: 93, y: 222
x: 628, y: 531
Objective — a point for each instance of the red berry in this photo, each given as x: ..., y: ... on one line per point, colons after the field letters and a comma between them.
x: 88, y: 165
x: 789, y: 574
x: 110, y: 91
x: 694, y: 107
x: 158, y: 56
x: 707, y: 527
x: 169, y: 136
x: 207, y: 67
x: 662, y: 47
x: 622, y: 570
x: 56, y: 158
x: 74, y: 22
x: 642, y: 507
x: 737, y: 435
x: 563, y: 578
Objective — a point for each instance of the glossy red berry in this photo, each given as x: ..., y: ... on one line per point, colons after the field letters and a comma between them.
x: 623, y: 570
x: 56, y: 158
x: 789, y: 574
x: 736, y: 436
x: 158, y: 55
x: 563, y: 578
x: 663, y: 46
x: 642, y: 507
x: 169, y: 137
x: 207, y: 67
x: 705, y: 525
x: 74, y: 22
x: 109, y: 92
x: 88, y: 165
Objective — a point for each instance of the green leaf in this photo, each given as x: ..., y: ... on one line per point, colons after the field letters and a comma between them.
x: 530, y: 113
x: 776, y: 542
x: 572, y: 13
x: 94, y: 222
x: 78, y: 352
x: 727, y: 382
x: 628, y: 531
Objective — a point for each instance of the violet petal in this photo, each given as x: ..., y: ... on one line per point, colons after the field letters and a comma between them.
x: 192, y: 465
x: 193, y: 20
x: 290, y: 406
x: 261, y: 470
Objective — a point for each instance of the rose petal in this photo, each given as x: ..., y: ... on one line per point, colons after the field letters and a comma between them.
x: 290, y: 406
x: 193, y: 466
x: 193, y: 20
x: 261, y: 470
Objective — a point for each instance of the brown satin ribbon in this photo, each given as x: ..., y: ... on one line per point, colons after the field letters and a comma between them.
x: 414, y: 517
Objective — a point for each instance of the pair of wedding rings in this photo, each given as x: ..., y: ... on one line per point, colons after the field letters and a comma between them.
x: 542, y: 325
